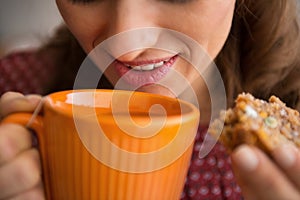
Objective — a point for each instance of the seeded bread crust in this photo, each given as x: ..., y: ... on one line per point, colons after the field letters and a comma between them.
x: 257, y: 122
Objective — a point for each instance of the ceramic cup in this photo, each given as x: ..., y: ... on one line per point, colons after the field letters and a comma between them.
x: 113, y: 145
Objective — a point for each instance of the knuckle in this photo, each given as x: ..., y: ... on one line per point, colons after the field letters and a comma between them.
x: 36, y: 193
x: 29, y: 173
x: 16, y: 102
x: 10, y: 95
x: 33, y: 97
x: 7, y: 149
x: 10, y: 134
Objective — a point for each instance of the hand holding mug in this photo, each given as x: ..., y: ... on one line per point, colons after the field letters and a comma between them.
x: 108, y: 144
x: 20, y: 170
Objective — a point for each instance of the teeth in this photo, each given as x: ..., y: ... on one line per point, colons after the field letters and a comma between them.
x: 148, y: 67
x: 143, y: 67
x: 138, y: 68
x: 159, y: 64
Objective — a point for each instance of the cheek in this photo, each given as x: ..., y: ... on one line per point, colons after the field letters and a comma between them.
x: 84, y: 36
x: 221, y: 13
x: 212, y: 25
x: 221, y: 22
x: 84, y: 23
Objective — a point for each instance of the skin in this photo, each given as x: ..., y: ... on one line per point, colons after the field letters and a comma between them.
x: 91, y: 23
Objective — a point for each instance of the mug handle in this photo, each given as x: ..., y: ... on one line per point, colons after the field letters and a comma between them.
x: 37, y: 126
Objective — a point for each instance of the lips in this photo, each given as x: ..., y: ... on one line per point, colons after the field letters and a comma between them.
x: 144, y: 72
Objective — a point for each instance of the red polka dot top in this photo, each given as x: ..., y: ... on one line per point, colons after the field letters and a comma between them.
x: 25, y: 72
x: 210, y: 177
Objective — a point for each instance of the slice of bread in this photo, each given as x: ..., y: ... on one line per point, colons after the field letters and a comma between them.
x: 257, y: 122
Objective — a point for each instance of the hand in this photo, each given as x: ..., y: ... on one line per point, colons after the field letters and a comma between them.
x: 263, y: 178
x: 20, y: 169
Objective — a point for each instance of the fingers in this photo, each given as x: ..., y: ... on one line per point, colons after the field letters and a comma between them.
x: 22, y: 174
x: 12, y: 102
x: 20, y: 170
x: 259, y: 177
x: 13, y: 140
x: 36, y: 193
x: 288, y: 158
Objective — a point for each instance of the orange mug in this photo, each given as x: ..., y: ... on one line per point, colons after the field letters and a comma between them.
x: 112, y: 144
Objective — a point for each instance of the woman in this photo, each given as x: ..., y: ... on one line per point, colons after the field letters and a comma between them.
x: 255, y: 45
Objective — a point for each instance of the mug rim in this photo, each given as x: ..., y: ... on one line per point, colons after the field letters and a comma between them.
x: 57, y: 102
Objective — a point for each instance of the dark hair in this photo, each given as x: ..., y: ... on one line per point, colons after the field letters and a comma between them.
x: 260, y: 55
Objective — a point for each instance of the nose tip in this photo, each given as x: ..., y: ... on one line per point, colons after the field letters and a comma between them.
x: 127, y: 33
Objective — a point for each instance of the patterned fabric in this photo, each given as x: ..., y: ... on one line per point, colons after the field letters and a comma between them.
x: 25, y: 72
x: 208, y: 178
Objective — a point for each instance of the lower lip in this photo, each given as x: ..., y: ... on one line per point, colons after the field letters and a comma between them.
x: 141, y: 78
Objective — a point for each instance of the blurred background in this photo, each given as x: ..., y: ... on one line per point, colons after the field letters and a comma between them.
x: 26, y: 23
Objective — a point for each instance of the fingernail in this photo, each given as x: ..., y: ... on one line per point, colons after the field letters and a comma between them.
x: 285, y: 155
x: 245, y: 158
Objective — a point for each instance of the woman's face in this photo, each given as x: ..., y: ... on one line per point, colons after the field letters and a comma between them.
x: 208, y: 22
